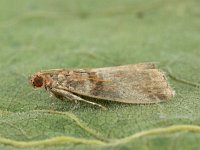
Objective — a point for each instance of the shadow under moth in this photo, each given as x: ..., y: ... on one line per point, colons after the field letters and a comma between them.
x: 135, y: 83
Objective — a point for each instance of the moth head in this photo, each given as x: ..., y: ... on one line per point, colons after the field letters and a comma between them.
x: 37, y: 80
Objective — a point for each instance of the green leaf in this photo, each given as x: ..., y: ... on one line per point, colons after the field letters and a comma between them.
x: 39, y: 35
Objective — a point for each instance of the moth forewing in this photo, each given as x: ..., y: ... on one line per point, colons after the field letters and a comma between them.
x: 139, y: 83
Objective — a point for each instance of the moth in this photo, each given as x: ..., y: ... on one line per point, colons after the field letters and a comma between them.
x: 135, y: 83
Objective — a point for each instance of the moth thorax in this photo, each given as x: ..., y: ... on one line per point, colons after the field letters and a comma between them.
x: 61, y: 77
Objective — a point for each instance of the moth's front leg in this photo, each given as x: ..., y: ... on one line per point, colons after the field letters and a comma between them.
x: 71, y: 96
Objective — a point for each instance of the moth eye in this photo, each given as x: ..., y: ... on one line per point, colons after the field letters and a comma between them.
x: 38, y: 81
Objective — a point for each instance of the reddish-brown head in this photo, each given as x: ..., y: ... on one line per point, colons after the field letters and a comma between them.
x: 37, y: 80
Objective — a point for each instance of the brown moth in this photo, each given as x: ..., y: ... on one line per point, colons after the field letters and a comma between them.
x: 134, y: 83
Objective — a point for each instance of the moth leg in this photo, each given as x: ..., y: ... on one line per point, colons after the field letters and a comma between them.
x: 71, y: 96
x: 61, y: 97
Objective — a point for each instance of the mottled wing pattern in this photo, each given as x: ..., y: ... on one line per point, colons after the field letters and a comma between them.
x: 140, y: 83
